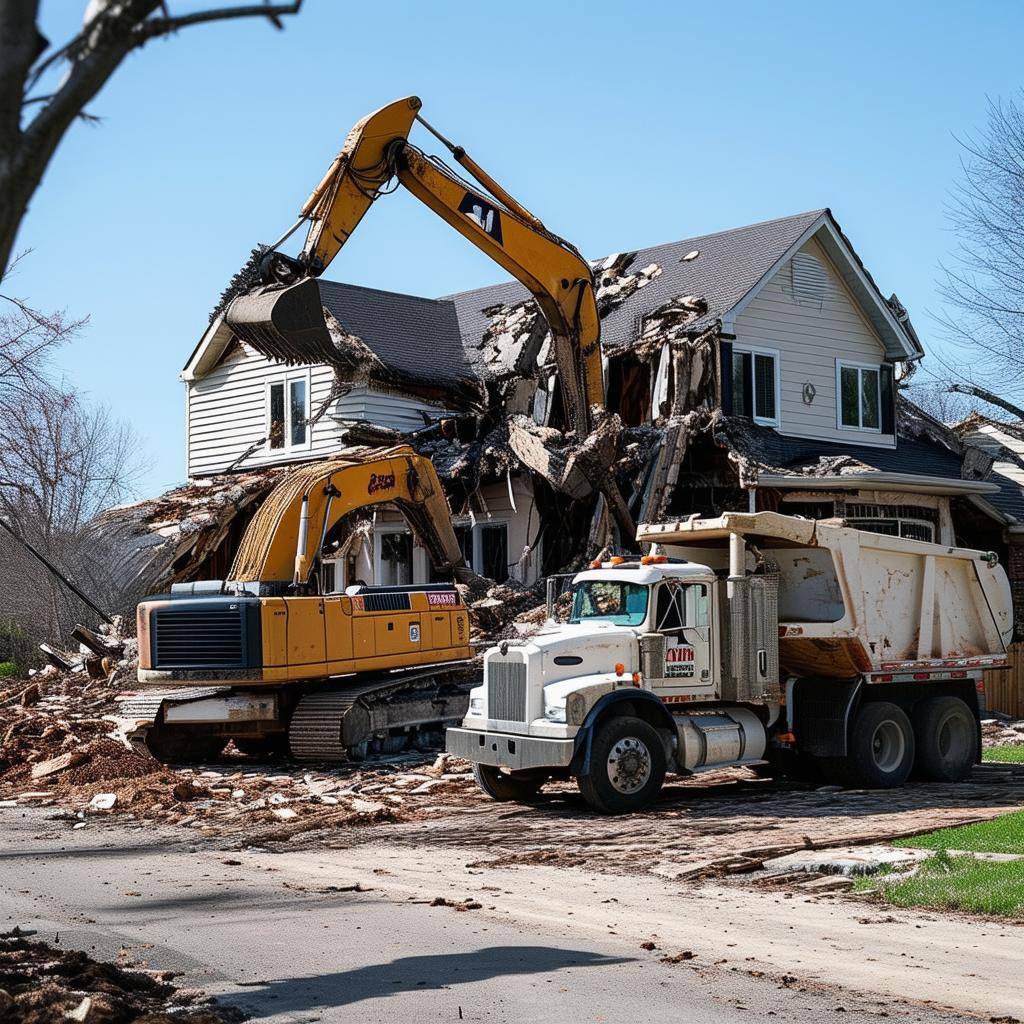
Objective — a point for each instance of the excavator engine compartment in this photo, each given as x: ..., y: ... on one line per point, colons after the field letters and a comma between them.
x: 238, y: 636
x: 336, y: 676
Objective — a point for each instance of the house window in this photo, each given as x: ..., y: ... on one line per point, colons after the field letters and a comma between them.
x: 395, y: 559
x: 755, y: 384
x: 493, y: 562
x: 860, y: 401
x: 485, y: 549
x: 328, y: 578
x: 910, y: 521
x: 288, y: 413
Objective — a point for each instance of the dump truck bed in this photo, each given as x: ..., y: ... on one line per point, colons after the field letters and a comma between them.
x: 853, y: 602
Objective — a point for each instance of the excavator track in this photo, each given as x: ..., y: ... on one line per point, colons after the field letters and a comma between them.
x: 346, y: 722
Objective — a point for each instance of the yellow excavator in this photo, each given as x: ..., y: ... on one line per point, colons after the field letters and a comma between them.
x: 267, y: 658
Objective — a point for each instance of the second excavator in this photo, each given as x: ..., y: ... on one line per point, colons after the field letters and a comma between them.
x: 266, y: 658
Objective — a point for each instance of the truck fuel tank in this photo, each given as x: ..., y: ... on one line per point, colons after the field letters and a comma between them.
x: 725, y: 736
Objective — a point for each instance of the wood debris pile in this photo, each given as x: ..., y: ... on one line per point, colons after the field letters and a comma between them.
x: 41, y: 984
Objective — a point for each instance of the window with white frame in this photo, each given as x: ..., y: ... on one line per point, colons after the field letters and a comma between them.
x: 755, y: 384
x: 858, y: 386
x: 288, y: 412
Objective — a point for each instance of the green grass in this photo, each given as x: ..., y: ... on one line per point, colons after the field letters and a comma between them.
x: 956, y: 883
x: 8, y: 670
x: 1013, y: 755
x: 1000, y: 835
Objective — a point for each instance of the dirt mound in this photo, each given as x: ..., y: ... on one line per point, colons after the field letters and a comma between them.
x: 40, y: 984
x: 107, y: 760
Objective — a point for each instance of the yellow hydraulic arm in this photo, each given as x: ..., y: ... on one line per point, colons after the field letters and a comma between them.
x: 376, y: 152
x: 288, y: 532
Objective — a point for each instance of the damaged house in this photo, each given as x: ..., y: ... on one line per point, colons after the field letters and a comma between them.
x: 752, y: 368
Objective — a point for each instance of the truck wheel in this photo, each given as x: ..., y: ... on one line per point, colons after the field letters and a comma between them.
x: 947, y: 739
x: 501, y: 785
x: 881, y: 749
x: 627, y: 766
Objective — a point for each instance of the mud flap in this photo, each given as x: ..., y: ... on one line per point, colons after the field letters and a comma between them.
x: 822, y: 711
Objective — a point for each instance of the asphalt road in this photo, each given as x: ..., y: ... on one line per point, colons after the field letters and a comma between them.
x: 253, y: 934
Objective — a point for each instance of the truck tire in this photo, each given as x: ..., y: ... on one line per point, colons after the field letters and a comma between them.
x: 881, y: 750
x: 946, y: 736
x: 503, y: 786
x: 627, y: 766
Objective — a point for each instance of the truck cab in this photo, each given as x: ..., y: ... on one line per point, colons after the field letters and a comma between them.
x: 644, y: 637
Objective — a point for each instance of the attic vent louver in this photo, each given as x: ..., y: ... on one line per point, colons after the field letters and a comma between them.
x: 810, y: 279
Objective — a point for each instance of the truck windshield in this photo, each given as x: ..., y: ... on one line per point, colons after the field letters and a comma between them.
x: 625, y: 604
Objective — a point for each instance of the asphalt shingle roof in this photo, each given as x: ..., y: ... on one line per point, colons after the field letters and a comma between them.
x: 417, y: 337
x: 729, y: 264
x: 912, y: 454
x: 447, y: 331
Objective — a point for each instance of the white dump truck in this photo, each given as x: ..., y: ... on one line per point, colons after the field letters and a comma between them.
x: 749, y: 639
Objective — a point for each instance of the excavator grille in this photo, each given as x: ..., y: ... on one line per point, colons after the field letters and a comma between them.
x: 198, y: 637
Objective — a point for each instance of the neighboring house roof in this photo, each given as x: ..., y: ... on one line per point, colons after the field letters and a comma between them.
x: 725, y: 270
x: 1004, y: 441
x: 929, y: 458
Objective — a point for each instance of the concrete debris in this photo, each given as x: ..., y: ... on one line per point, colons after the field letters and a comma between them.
x: 848, y: 860
x: 1002, y: 732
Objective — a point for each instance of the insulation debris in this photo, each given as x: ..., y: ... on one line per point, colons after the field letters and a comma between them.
x: 615, y: 284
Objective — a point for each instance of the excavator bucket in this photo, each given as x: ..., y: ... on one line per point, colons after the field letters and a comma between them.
x: 283, y: 322
x: 287, y: 322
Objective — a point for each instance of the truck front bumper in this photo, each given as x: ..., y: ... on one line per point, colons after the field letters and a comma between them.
x: 504, y: 750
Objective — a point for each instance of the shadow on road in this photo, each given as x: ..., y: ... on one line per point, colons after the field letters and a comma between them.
x: 411, y: 974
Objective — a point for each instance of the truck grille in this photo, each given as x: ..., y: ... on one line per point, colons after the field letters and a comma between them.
x: 197, y: 638
x: 506, y: 690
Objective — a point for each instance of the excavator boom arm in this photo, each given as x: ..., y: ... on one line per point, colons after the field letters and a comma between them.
x: 377, y: 150
x: 284, y: 537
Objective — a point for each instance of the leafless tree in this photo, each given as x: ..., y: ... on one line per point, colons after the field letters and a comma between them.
x: 985, y: 282
x: 61, y: 462
x: 940, y: 400
x: 44, y: 89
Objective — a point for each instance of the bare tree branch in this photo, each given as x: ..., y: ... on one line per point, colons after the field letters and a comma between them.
x: 273, y: 12
x: 988, y: 396
x: 113, y: 31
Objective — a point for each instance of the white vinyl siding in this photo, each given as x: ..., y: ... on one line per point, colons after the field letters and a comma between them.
x: 499, y: 512
x: 227, y: 413
x: 809, y: 337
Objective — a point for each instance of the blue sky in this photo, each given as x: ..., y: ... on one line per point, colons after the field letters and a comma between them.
x: 620, y: 125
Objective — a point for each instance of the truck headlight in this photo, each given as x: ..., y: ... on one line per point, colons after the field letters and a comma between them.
x: 476, y: 705
x: 555, y: 713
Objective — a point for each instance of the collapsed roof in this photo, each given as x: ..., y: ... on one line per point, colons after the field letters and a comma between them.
x: 464, y: 340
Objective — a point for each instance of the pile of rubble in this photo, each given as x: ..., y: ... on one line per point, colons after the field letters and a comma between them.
x: 58, y: 749
x: 40, y: 984
x: 1001, y: 731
